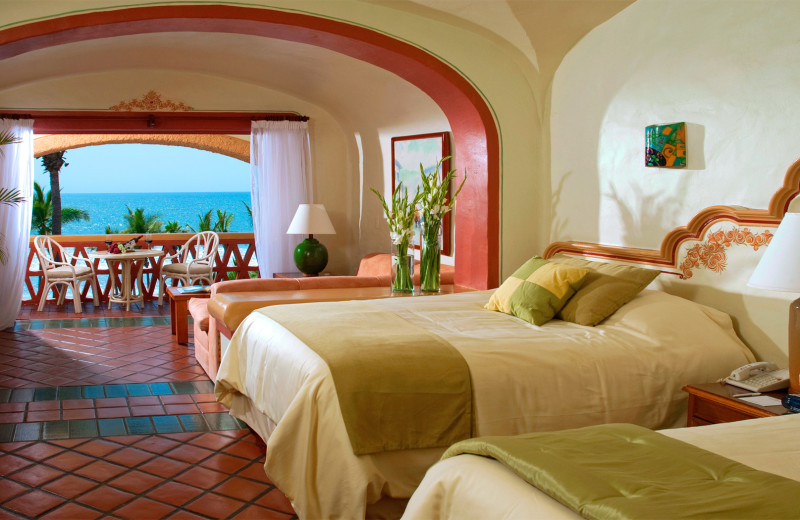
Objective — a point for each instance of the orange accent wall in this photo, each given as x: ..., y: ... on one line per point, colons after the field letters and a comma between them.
x: 475, y: 136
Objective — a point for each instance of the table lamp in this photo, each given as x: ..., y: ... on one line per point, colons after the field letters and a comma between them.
x: 311, y: 256
x: 779, y: 270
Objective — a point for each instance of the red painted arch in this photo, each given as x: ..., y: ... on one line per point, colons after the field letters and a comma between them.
x: 475, y: 135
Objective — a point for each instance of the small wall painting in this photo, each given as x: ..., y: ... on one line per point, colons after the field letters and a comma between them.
x: 665, y: 145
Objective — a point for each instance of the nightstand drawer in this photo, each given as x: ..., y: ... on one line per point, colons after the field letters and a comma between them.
x: 717, y: 413
x: 712, y: 403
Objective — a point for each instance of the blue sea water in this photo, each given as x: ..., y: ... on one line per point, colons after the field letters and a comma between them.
x: 107, y: 209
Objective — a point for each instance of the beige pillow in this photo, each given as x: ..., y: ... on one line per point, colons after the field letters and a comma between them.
x: 606, y: 288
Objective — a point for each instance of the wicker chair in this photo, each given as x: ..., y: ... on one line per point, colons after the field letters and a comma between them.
x: 61, y: 268
x: 192, y: 263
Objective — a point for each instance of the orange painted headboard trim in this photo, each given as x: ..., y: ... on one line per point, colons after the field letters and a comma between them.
x: 667, y: 255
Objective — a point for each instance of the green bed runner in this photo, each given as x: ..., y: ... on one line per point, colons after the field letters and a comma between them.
x: 399, y: 386
x: 622, y: 471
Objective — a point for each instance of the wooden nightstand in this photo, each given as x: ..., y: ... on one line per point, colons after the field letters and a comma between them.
x: 713, y: 403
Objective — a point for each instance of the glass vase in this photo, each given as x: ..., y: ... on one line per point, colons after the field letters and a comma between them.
x: 402, y: 265
x: 430, y: 257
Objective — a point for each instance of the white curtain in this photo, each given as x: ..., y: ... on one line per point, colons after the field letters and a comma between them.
x: 280, y: 180
x: 16, y: 171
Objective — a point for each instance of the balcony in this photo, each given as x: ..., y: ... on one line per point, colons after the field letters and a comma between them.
x: 235, y: 259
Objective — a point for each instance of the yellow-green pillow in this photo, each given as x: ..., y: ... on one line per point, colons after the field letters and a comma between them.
x: 537, y: 290
x: 606, y: 288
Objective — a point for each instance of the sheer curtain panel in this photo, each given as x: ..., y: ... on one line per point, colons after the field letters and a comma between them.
x: 16, y: 172
x: 280, y: 173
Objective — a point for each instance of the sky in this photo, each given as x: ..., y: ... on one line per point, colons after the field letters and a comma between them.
x: 139, y: 168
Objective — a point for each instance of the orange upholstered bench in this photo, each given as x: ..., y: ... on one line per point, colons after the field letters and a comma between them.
x: 216, y: 319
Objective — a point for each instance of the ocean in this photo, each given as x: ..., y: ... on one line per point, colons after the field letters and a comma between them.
x: 107, y: 209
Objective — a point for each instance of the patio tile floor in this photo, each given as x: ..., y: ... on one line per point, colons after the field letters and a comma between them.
x: 89, y: 430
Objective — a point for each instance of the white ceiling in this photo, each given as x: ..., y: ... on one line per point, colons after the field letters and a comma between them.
x: 542, y: 31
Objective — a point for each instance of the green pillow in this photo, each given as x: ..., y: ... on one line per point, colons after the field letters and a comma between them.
x: 537, y: 290
x: 607, y: 288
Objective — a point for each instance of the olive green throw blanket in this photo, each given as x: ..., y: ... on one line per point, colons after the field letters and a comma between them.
x: 399, y: 386
x: 621, y: 471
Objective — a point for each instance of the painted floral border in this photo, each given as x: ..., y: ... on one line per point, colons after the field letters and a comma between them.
x: 711, y: 253
x: 152, y: 101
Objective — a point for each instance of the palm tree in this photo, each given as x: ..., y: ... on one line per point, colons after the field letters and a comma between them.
x: 10, y: 196
x: 205, y: 222
x: 172, y: 227
x: 223, y: 222
x: 42, y: 212
x: 138, y: 222
x: 53, y: 162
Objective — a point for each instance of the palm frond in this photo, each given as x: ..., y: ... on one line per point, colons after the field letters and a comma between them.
x: 11, y: 196
x: 7, y: 137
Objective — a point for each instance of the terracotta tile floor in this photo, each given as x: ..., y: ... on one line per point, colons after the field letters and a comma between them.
x: 101, y: 418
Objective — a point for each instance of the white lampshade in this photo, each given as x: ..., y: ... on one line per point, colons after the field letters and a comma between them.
x: 311, y: 219
x: 779, y: 268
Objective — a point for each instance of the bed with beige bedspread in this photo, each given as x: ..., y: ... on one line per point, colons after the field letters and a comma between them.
x: 524, y: 378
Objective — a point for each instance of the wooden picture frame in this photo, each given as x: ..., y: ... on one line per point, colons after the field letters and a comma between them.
x: 408, y: 152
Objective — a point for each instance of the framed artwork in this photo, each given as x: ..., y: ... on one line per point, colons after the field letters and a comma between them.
x: 665, y: 145
x: 408, y: 152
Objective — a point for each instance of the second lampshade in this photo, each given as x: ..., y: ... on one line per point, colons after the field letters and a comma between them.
x: 310, y: 255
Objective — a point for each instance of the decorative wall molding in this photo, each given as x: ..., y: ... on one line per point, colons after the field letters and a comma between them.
x: 221, y: 144
x: 151, y: 102
x: 711, y: 253
x: 666, y: 257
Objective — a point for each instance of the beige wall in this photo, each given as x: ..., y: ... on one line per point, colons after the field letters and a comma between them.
x: 731, y: 71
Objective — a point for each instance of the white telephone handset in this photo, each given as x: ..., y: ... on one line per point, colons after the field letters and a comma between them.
x: 759, y: 377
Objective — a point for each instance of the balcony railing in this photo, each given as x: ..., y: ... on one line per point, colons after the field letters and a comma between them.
x: 235, y: 259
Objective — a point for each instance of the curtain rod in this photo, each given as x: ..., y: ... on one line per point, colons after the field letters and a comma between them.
x: 281, y: 118
x: 103, y: 122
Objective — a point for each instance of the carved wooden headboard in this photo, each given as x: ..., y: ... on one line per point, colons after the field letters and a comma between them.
x: 711, y: 253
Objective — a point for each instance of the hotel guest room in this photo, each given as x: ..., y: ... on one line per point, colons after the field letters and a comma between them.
x: 642, y: 142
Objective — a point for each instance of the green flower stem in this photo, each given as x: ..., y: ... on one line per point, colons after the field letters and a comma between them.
x: 430, y: 258
x: 403, y: 278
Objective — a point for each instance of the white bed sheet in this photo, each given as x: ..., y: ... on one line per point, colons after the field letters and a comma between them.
x: 469, y: 487
x: 631, y: 368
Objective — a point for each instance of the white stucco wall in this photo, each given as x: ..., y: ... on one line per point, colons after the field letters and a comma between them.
x: 731, y: 71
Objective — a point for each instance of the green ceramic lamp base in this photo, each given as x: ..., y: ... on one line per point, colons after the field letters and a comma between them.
x: 310, y: 256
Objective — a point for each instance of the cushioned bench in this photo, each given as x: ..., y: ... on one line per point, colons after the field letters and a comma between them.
x: 216, y: 318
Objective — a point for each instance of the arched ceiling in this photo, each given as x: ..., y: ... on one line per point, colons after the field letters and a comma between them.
x: 540, y: 32
x: 347, y: 87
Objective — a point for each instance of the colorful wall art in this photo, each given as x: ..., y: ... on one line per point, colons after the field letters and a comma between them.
x: 665, y: 145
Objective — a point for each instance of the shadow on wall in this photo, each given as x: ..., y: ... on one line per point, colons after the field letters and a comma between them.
x: 558, y: 225
x: 644, y: 226
x: 749, y: 313
x: 695, y: 146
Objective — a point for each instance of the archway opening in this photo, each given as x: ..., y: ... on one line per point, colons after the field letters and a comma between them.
x: 475, y: 136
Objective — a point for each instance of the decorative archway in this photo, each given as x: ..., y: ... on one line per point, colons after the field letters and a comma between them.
x: 222, y: 144
x: 476, y: 140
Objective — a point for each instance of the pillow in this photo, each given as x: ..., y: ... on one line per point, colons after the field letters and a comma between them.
x: 537, y: 290
x: 606, y: 288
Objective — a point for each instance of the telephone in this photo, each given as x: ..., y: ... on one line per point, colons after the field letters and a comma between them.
x: 759, y: 377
